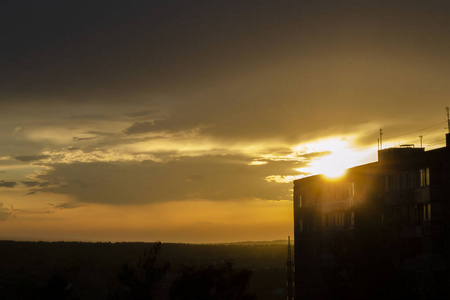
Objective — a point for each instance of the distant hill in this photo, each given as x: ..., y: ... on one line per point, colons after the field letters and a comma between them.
x: 266, y: 243
x: 92, y: 268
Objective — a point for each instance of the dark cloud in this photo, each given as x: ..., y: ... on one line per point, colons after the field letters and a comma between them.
x: 67, y: 205
x: 89, y: 117
x: 140, y: 127
x: 30, y: 183
x: 141, y: 114
x: 209, y: 177
x: 7, y: 184
x: 27, y: 158
x: 240, y: 69
x: 35, y: 183
x: 101, y: 133
x: 75, y: 138
x: 77, y: 42
x: 173, y: 124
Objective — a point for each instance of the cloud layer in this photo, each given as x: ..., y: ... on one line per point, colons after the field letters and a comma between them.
x: 207, y: 177
x: 136, y: 104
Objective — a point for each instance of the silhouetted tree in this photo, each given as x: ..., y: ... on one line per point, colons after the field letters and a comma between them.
x: 139, y: 281
x: 57, y: 288
x: 210, y: 282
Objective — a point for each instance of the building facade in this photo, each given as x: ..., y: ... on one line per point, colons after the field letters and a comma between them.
x: 381, y: 231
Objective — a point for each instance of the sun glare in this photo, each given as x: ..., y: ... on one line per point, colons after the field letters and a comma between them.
x: 339, y: 155
x: 333, y: 165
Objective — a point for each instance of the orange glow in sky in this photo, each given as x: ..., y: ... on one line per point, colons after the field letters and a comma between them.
x: 340, y: 154
x: 166, y: 120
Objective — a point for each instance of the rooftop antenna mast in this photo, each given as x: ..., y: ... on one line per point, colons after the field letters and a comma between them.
x: 289, y: 282
x: 381, y: 139
x: 448, y: 119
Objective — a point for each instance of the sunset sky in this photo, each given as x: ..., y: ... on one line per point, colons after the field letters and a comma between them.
x: 186, y: 121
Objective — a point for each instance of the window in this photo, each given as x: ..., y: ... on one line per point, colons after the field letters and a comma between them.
x: 351, y: 189
x: 298, y: 201
x: 424, y: 177
x: 424, y: 212
x: 427, y: 212
x: 398, y: 182
x: 339, y: 219
x: 391, y: 183
x: 419, y: 213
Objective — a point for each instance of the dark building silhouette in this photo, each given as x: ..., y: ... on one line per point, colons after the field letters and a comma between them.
x: 381, y: 231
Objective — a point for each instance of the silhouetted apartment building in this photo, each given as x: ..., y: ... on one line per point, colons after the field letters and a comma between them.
x: 381, y: 231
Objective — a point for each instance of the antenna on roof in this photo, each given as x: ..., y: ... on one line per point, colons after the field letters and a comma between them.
x: 448, y: 119
x: 289, y: 282
x: 381, y: 139
x: 420, y: 136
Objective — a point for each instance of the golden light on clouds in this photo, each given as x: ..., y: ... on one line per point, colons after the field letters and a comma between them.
x: 67, y: 156
x: 258, y: 163
x: 339, y: 155
x: 281, y: 179
x: 176, y: 142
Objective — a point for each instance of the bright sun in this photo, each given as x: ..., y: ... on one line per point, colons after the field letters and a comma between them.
x: 341, y: 157
x: 333, y: 165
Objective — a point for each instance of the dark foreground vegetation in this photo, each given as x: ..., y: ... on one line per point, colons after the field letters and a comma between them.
x: 75, y: 270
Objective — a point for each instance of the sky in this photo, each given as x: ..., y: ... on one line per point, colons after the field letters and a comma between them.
x: 186, y: 121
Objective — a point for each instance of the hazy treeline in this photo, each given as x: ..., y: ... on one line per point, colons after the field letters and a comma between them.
x: 31, y: 270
